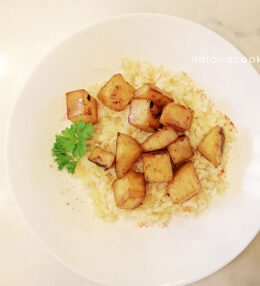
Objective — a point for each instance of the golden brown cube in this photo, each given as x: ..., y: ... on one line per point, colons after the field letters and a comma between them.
x: 180, y: 150
x: 116, y: 93
x: 129, y: 191
x: 160, y: 139
x: 128, y: 151
x: 212, y: 145
x: 81, y: 106
x: 177, y: 116
x: 102, y: 157
x: 184, y: 185
x: 157, y: 167
x: 151, y: 92
x: 144, y: 114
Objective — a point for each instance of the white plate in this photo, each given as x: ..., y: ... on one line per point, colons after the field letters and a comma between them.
x: 121, y: 254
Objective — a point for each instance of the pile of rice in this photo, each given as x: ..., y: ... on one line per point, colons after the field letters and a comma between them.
x: 157, y: 207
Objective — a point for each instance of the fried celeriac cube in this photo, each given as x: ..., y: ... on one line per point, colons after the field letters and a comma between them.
x: 151, y: 92
x: 157, y: 167
x: 129, y: 191
x: 184, y: 185
x: 177, y: 116
x: 144, y: 114
x: 102, y: 157
x: 159, y: 140
x: 81, y: 106
x: 128, y: 151
x: 180, y: 150
x: 212, y: 145
x: 116, y: 93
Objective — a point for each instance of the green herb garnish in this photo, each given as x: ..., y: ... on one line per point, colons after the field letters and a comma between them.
x: 70, y: 146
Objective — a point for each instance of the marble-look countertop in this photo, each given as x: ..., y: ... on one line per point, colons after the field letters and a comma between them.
x: 28, y: 30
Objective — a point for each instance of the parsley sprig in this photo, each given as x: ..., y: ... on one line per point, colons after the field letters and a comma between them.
x: 70, y: 146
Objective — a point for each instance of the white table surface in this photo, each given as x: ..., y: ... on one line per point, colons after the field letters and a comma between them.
x: 28, y: 30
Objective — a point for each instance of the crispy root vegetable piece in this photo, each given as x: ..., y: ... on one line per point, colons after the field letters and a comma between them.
x: 212, y: 145
x: 116, y: 93
x: 144, y: 114
x: 160, y: 139
x: 102, y: 157
x: 81, y: 106
x: 184, y: 185
x: 128, y: 151
x: 151, y: 92
x: 177, y: 116
x: 157, y: 167
x: 180, y: 150
x: 129, y: 191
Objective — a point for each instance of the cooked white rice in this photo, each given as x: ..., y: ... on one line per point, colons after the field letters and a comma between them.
x: 157, y: 207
